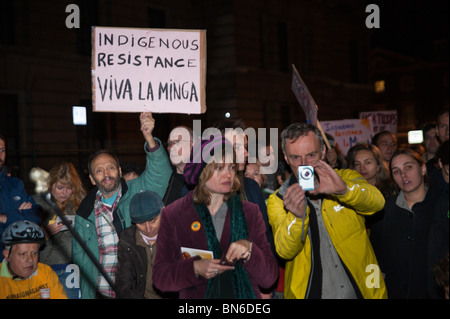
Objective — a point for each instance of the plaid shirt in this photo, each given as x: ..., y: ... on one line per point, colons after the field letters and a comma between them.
x: 107, y: 242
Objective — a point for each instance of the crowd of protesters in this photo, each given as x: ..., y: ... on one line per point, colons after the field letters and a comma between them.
x: 196, y: 223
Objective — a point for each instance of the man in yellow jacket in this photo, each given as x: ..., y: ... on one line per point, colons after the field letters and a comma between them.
x: 22, y: 276
x: 321, y: 232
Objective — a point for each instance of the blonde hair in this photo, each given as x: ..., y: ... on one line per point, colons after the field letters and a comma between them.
x: 264, y: 178
x: 66, y: 174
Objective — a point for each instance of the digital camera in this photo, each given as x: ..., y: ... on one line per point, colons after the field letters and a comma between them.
x: 306, y: 177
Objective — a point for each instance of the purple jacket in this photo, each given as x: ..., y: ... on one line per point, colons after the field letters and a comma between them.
x: 172, y: 273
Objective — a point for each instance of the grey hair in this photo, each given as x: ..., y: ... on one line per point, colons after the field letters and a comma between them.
x: 294, y: 131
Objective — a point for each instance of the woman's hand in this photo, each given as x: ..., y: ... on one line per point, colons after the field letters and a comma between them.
x: 209, y: 268
x: 240, y: 249
x: 53, y: 229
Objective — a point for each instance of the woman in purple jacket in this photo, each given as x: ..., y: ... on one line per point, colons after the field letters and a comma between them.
x: 212, y: 218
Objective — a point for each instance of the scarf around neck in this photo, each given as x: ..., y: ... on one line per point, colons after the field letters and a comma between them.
x: 241, y: 287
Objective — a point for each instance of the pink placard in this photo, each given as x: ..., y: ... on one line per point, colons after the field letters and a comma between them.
x: 148, y: 70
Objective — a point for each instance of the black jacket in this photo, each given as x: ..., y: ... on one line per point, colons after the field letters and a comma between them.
x: 132, y: 266
x: 400, y: 242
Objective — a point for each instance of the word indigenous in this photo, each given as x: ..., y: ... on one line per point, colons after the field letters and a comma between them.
x: 147, y: 42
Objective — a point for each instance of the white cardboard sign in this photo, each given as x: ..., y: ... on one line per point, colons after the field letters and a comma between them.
x: 148, y: 70
x: 348, y: 133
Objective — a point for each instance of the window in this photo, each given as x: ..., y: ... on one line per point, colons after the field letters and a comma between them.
x: 379, y: 86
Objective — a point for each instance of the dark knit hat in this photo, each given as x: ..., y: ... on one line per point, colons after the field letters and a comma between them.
x: 201, y: 152
x: 145, y: 206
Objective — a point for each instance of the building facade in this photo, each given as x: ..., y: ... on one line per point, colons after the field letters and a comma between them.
x: 251, y: 47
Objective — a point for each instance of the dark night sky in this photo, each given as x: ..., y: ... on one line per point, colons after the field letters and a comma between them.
x: 411, y: 26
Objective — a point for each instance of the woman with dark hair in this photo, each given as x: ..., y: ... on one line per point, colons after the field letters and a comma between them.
x: 400, y: 238
x: 212, y: 218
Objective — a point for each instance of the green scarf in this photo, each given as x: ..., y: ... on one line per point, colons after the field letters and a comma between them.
x: 219, y: 286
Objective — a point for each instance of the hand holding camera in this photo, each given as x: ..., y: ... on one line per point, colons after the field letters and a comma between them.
x: 329, y: 180
x: 294, y: 200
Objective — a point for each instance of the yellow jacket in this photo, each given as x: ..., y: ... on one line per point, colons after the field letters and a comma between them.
x: 344, y: 221
x: 30, y: 288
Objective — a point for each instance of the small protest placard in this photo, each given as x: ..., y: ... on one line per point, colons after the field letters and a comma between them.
x: 304, y: 97
x: 148, y: 70
x: 348, y: 133
x: 381, y: 120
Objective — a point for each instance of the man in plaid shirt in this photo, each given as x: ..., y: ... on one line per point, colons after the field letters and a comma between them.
x: 105, y: 210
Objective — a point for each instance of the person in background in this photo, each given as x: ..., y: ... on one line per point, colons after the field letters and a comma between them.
x: 214, y: 219
x: 264, y: 152
x: 442, y: 162
x: 439, y: 233
x: 386, y: 141
x: 249, y: 189
x: 441, y: 276
x: 321, y: 232
x: 252, y: 170
x: 130, y: 170
x: 442, y: 125
x: 15, y: 203
x: 333, y: 155
x: 434, y: 171
x: 283, y: 172
x: 367, y: 160
x: 418, y: 148
x: 430, y: 141
x: 105, y: 210
x: 179, y: 146
x: 22, y: 276
x: 400, y: 237
x: 67, y: 192
x: 137, y: 248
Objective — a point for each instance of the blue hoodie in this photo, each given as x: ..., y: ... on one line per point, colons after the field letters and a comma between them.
x: 12, y: 195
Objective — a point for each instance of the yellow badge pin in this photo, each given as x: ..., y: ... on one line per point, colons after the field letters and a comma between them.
x: 195, y: 226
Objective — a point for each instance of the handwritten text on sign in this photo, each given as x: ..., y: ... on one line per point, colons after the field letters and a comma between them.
x: 148, y: 70
x: 348, y: 133
x: 381, y: 120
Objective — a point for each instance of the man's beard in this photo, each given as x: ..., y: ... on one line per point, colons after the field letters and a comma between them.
x: 109, y: 190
